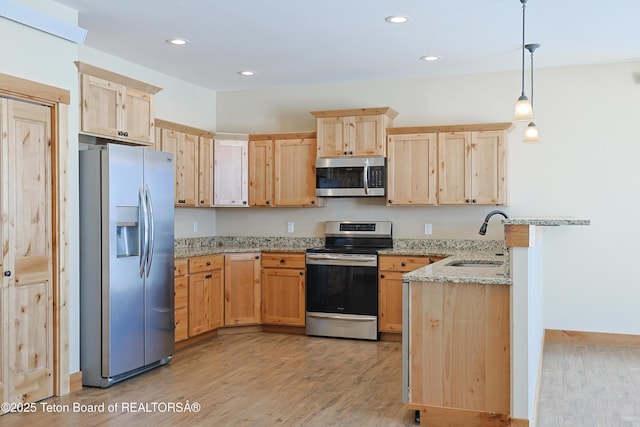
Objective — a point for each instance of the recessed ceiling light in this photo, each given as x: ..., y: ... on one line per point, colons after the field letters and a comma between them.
x: 430, y: 58
x: 396, y: 19
x: 247, y: 73
x: 178, y: 42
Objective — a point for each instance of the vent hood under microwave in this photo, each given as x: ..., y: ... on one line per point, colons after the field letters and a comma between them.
x: 351, y: 177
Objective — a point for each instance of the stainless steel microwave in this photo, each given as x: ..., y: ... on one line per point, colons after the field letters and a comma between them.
x: 351, y: 177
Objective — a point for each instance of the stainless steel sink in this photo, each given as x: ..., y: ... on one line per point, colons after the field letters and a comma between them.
x: 475, y: 264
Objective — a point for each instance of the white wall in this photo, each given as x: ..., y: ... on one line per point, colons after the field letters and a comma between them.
x: 583, y: 167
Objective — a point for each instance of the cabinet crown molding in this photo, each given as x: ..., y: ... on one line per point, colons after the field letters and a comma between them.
x: 374, y: 111
x: 85, y: 68
x: 476, y: 127
x: 163, y: 124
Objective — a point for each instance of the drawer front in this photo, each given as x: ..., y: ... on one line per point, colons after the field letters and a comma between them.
x: 401, y: 263
x: 181, y: 267
x: 283, y: 260
x: 181, y: 288
x: 206, y: 263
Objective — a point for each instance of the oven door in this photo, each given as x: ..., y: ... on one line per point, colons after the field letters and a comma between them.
x: 342, y: 283
x: 342, y: 296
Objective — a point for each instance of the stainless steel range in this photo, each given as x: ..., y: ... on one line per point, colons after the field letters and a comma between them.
x: 342, y: 280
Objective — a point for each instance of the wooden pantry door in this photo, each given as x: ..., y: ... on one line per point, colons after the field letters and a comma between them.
x: 27, y: 284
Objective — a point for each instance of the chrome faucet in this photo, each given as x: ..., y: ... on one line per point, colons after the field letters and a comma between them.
x: 483, y: 228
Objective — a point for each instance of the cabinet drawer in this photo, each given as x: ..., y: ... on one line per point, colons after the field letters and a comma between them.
x: 401, y: 263
x: 283, y: 260
x: 181, y: 267
x: 205, y: 263
x: 181, y: 289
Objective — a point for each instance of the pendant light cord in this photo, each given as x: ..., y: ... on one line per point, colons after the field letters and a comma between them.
x: 524, y: 7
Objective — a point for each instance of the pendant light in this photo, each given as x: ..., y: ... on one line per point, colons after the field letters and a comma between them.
x: 531, y: 134
x: 523, y: 110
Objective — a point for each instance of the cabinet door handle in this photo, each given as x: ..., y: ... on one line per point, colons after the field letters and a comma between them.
x: 208, y: 276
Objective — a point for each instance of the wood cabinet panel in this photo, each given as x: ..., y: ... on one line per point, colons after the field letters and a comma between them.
x: 459, y: 346
x: 283, y: 260
x: 206, y: 301
x: 282, y: 170
x: 283, y: 296
x: 242, y: 289
x: 115, y: 111
x: 412, y: 169
x: 181, y: 267
x: 294, y: 172
x: 391, y: 268
x: 231, y: 171
x: 205, y: 263
x: 181, y: 308
x: 205, y: 172
x: 358, y: 132
x: 261, y: 173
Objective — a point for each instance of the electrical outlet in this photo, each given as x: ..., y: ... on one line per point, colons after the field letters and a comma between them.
x: 427, y: 229
x: 195, y: 227
x: 290, y: 227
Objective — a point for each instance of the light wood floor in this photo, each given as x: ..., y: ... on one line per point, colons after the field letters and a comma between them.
x: 589, y: 386
x: 256, y: 379
x: 265, y: 379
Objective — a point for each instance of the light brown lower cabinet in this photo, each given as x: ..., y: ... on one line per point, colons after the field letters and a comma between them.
x: 283, y: 289
x: 458, y: 361
x: 391, y: 268
x: 242, y: 289
x: 206, y: 293
x: 181, y: 299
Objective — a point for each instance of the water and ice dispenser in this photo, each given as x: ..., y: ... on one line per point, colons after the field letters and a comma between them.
x: 127, y: 231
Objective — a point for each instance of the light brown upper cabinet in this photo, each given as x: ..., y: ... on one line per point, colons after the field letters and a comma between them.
x: 468, y: 162
x: 193, y: 158
x: 282, y: 169
x: 473, y: 168
x: 230, y: 171
x: 115, y: 106
x: 412, y: 169
x: 355, y: 132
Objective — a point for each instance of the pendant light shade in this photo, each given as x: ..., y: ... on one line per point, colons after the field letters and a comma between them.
x: 523, y: 110
x: 531, y: 134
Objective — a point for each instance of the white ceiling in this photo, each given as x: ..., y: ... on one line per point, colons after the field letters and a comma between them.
x: 299, y: 42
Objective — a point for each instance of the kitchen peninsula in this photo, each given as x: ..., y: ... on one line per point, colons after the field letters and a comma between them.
x: 473, y: 337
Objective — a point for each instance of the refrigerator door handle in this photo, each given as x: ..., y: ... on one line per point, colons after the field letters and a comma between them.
x: 145, y: 232
x: 152, y: 231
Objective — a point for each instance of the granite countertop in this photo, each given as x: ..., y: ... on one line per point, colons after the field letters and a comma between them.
x: 443, y: 271
x: 546, y: 221
x: 209, y: 250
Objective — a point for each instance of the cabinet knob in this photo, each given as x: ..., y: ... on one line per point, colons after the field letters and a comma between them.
x: 404, y: 264
x: 313, y: 202
x: 7, y: 273
x: 244, y: 202
x: 257, y: 256
x: 208, y: 263
x: 125, y: 133
x: 202, y: 202
x: 351, y: 153
x: 473, y: 200
x: 382, y: 276
x: 390, y: 201
x: 181, y: 201
x: 282, y: 261
x: 467, y: 201
x: 302, y: 273
x: 120, y: 134
x: 268, y: 202
x: 345, y: 153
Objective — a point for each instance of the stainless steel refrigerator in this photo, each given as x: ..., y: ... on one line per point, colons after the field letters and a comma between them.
x: 126, y: 262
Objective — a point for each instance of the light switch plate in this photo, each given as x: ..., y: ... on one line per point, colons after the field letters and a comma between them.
x: 290, y: 227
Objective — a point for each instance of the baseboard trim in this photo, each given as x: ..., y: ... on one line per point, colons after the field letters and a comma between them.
x: 281, y: 329
x: 391, y: 336
x: 243, y: 329
x: 75, y: 381
x: 455, y: 417
x: 591, y: 338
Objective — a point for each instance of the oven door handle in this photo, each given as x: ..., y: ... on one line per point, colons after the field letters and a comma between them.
x: 357, y: 318
x: 340, y: 258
